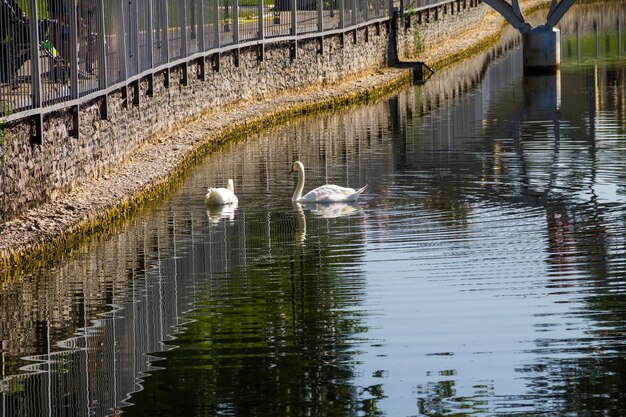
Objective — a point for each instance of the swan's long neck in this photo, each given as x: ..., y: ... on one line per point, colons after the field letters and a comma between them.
x: 230, y: 186
x: 297, y: 193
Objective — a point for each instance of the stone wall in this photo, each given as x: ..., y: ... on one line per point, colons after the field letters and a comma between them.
x: 419, y: 32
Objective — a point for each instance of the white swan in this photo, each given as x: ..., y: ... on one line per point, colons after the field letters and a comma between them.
x: 221, y: 196
x: 325, y: 194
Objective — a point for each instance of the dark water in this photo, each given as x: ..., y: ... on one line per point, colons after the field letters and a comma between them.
x: 483, y: 272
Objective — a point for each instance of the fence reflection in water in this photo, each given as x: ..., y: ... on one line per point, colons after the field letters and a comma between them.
x: 126, y: 310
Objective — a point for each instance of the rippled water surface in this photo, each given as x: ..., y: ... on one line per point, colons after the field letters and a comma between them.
x: 481, y: 273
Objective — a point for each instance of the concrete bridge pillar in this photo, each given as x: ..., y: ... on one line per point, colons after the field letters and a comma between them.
x: 542, y: 44
x: 542, y: 49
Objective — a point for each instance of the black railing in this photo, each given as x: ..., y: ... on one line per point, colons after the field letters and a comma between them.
x: 60, y: 53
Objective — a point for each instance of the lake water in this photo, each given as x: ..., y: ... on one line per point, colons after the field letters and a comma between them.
x: 482, y: 272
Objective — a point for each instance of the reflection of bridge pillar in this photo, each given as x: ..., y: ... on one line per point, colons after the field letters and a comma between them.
x: 542, y: 49
x: 542, y: 95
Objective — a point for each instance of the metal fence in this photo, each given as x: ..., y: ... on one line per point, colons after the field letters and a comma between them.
x: 56, y: 53
x: 418, y: 5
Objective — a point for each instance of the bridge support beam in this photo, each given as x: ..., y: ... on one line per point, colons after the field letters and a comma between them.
x: 542, y: 44
x: 542, y: 50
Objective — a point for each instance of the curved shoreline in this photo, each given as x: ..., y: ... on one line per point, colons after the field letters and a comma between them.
x: 95, y: 207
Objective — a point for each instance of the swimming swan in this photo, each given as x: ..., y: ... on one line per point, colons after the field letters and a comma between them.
x: 221, y: 196
x: 325, y: 194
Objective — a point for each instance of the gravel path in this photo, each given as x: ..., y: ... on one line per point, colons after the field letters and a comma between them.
x: 55, y: 227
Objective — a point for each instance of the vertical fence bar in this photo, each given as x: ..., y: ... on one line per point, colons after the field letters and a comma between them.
x: 294, y: 29
x: 184, y: 41
x: 34, y: 55
x: 90, y: 30
x: 192, y: 16
x: 360, y: 6
x: 353, y: 6
x: 129, y: 37
x: 131, y: 40
x: 37, y: 135
x: 294, y: 17
x: 320, y: 24
x: 320, y: 15
x: 328, y: 9
x: 261, y: 34
x: 201, y: 42
x: 150, y: 33
x: 160, y: 29
x: 157, y: 30
x: 73, y: 65
x: 135, y: 25
x: 208, y: 24
x: 166, y: 29
x: 102, y: 64
x: 342, y: 13
x: 228, y: 23
x: 216, y: 24
x: 183, y: 26
x: 136, y: 46
x: 175, y: 29
x: 236, y: 22
x: 121, y: 41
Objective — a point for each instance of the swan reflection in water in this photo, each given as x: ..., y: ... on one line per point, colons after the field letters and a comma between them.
x: 216, y: 213
x: 324, y: 210
x: 331, y: 210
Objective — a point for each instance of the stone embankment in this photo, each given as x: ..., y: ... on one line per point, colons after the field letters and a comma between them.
x: 153, y: 168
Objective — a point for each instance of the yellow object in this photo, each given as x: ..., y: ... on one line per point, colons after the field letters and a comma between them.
x: 46, y: 44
